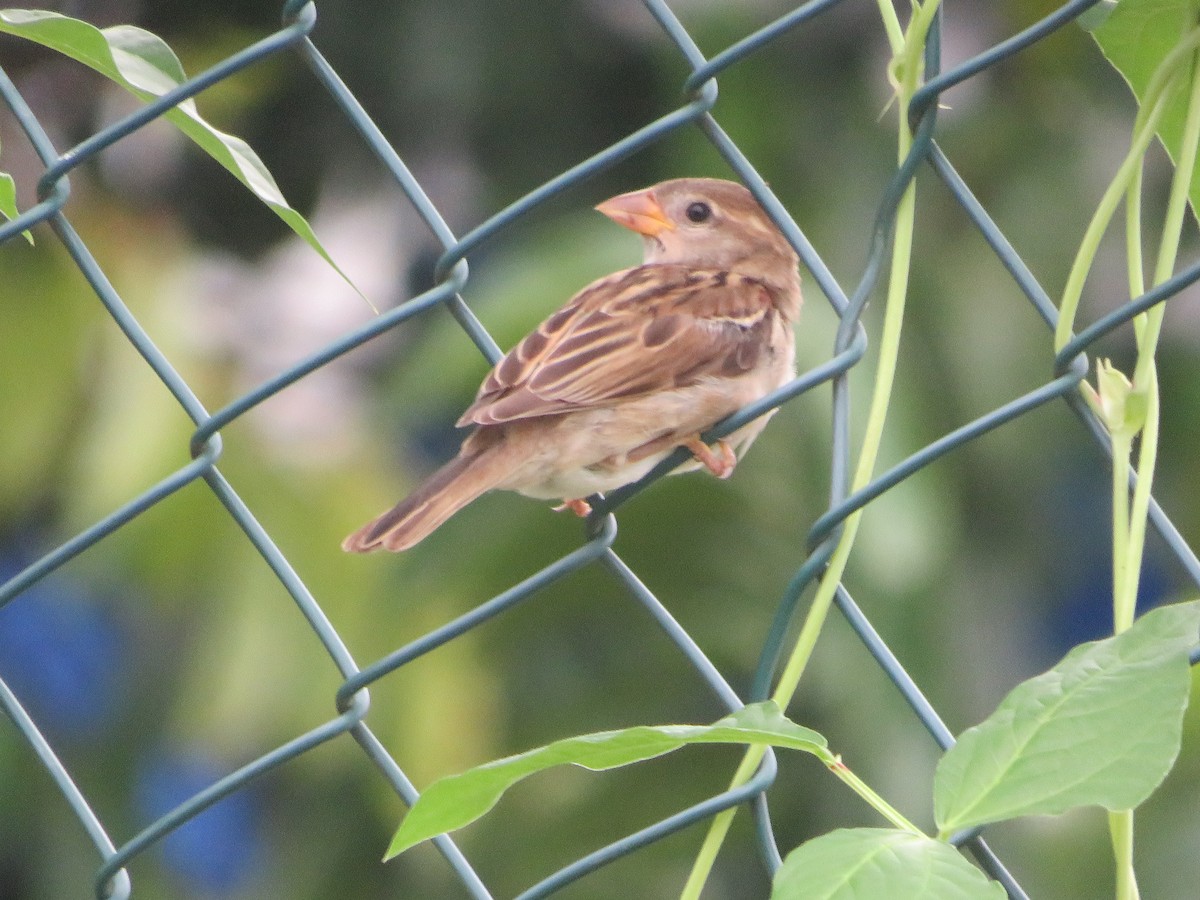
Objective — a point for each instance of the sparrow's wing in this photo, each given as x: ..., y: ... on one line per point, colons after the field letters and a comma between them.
x: 642, y: 330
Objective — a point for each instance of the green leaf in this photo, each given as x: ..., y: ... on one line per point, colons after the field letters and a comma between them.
x: 1102, y: 727
x: 457, y: 800
x: 8, y: 201
x: 8, y: 196
x: 143, y: 64
x: 1135, y: 37
x: 1097, y: 15
x: 854, y: 863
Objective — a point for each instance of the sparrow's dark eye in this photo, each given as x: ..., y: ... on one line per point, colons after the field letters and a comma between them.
x: 698, y: 212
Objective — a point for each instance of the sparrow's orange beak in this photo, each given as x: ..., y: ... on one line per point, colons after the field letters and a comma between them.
x: 638, y: 211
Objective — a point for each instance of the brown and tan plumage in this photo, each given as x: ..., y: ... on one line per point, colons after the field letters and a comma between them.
x: 636, y: 364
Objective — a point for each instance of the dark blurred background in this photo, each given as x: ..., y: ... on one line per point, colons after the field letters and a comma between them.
x: 168, y: 655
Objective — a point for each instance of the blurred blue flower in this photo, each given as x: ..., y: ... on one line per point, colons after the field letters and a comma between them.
x: 221, y: 849
x: 1080, y: 606
x: 1084, y: 612
x: 63, y: 653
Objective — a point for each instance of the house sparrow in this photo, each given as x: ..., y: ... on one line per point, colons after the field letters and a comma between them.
x: 636, y: 364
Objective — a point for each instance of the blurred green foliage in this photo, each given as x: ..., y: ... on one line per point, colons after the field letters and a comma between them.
x: 978, y: 572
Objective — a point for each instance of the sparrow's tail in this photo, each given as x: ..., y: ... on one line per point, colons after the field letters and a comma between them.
x: 415, y: 517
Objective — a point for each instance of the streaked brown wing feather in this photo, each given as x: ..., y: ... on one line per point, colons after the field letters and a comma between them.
x: 644, y: 329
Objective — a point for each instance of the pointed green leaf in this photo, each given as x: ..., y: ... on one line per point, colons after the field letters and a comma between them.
x: 1095, y: 16
x: 1136, y: 36
x: 856, y: 863
x: 143, y: 64
x: 1103, y: 727
x: 457, y: 800
x: 8, y: 201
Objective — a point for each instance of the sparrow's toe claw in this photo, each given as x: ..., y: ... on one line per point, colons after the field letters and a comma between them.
x: 580, y: 507
x: 720, y: 463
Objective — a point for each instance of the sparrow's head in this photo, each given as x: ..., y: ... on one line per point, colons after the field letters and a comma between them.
x: 707, y: 223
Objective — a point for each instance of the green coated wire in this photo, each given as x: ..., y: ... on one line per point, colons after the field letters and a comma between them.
x: 699, y: 91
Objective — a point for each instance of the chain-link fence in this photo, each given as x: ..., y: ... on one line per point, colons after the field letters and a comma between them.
x: 695, y: 112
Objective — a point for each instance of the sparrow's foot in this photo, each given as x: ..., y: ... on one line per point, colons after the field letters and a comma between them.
x: 720, y: 463
x: 580, y: 507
